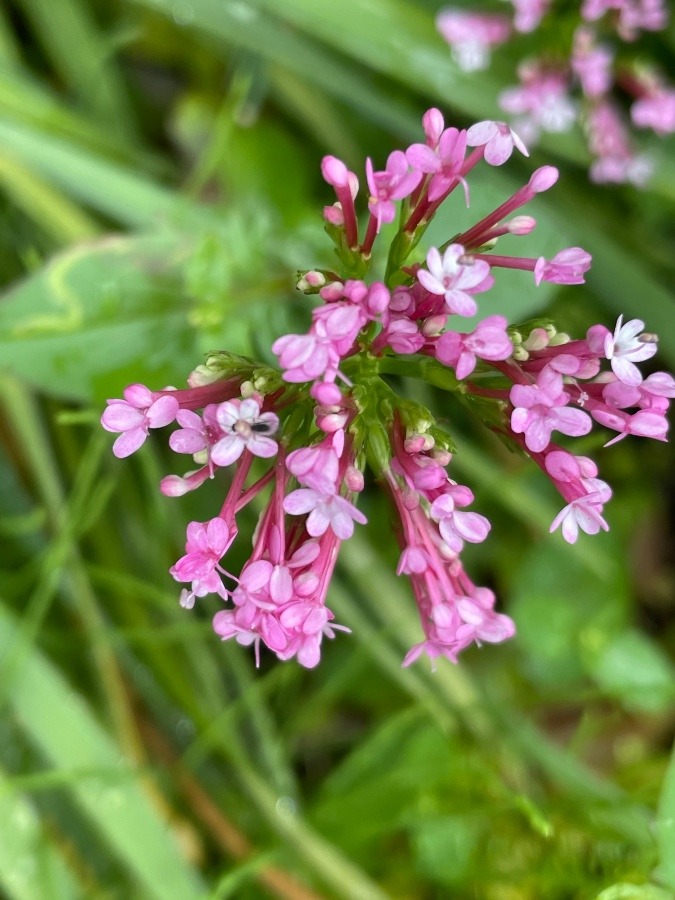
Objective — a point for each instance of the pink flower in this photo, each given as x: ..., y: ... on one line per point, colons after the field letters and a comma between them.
x: 541, y: 408
x: 488, y: 341
x: 304, y: 357
x: 498, y: 139
x: 207, y: 543
x: 655, y: 111
x: 477, y: 611
x: 626, y: 347
x: 455, y: 280
x: 198, y: 433
x: 644, y: 423
x: 471, y: 36
x: 326, y: 510
x: 245, y: 428
x: 641, y: 15
x: 403, y: 336
x: 140, y: 410
x: 566, y: 267
x: 394, y: 183
x: 444, y: 163
x: 529, y: 13
x: 591, y: 64
x: 659, y: 384
x: 543, y: 99
x: 455, y: 526
x: 609, y: 141
x: 584, y: 513
x: 316, y: 467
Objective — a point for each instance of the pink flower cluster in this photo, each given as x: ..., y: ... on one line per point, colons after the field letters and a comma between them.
x: 297, y: 439
x: 589, y: 86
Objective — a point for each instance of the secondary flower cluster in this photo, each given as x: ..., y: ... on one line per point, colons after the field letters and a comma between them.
x: 297, y: 439
x: 584, y: 80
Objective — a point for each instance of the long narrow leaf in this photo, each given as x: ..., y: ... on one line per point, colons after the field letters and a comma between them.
x: 59, y: 723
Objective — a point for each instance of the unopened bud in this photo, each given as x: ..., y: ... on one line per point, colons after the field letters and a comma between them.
x: 354, y: 479
x: 173, y: 486
x: 311, y: 281
x: 334, y: 171
x: 326, y: 394
x: 331, y: 292
x: 334, y: 215
x: 537, y: 339
x: 433, y: 124
x: 418, y: 443
x: 433, y: 325
x: 442, y: 457
x: 543, y: 178
x: 378, y: 298
x: 332, y: 422
x: 247, y: 388
x: 521, y: 225
x: 560, y: 338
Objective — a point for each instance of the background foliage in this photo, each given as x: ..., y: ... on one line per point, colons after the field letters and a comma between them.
x: 158, y: 188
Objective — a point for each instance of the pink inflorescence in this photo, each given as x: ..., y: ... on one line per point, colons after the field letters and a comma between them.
x: 297, y: 439
x: 585, y: 80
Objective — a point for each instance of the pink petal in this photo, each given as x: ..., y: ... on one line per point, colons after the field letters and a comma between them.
x: 119, y: 416
x: 218, y: 535
x: 626, y: 371
x: 423, y: 158
x: 281, y: 585
x: 318, y: 521
x: 499, y: 149
x: 309, y: 655
x: 573, y: 422
x: 139, y: 395
x: 162, y: 412
x: 481, y: 133
x: 430, y: 282
x: 186, y: 440
x: 460, y: 303
x: 301, y: 501
x: 256, y: 576
x: 261, y: 446
x: 228, y: 450
x: 227, y: 414
x: 128, y: 442
x: 249, y: 411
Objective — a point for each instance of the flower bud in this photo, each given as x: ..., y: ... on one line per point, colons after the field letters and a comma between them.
x: 433, y: 124
x: 543, y: 178
x: 521, y: 225
x: 334, y: 171
x: 327, y: 394
x: 354, y: 479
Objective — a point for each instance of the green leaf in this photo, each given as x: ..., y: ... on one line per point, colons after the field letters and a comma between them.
x: 665, y: 827
x: 564, y: 609
x: 117, y: 191
x: 634, y: 892
x: 70, y: 37
x: 632, y: 668
x: 31, y: 867
x: 59, y: 723
x: 445, y: 845
x: 100, y: 316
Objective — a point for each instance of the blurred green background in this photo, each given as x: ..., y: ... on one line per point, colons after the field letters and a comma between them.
x: 159, y: 185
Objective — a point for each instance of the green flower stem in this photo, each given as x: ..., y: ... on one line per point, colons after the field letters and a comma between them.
x: 424, y: 368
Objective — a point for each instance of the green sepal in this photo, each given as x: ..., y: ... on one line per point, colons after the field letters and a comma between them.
x: 221, y: 365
